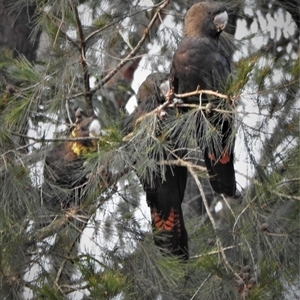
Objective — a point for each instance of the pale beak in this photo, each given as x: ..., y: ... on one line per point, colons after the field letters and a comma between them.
x: 221, y: 20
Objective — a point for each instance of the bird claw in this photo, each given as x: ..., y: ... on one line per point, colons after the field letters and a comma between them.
x: 177, y: 101
x: 208, y: 108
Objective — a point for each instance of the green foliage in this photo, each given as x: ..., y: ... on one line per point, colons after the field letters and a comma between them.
x: 242, y: 74
x: 102, y: 247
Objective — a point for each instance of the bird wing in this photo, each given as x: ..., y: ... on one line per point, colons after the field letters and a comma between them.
x: 198, y: 62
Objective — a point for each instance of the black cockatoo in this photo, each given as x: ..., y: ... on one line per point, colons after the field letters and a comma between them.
x: 164, y: 192
x: 149, y: 96
x: 63, y: 164
x: 203, y: 60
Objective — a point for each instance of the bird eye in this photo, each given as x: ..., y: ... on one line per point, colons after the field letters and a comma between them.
x: 209, y: 12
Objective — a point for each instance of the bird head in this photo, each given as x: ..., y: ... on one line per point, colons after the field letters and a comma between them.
x: 152, y: 86
x: 205, y: 19
x: 85, y: 127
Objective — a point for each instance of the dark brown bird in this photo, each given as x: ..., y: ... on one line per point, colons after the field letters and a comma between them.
x: 63, y: 164
x: 203, y: 60
x: 164, y: 192
x: 149, y: 96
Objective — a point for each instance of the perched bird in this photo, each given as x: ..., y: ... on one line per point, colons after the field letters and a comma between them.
x: 202, y: 60
x: 65, y: 187
x: 63, y: 164
x: 149, y: 96
x: 165, y: 189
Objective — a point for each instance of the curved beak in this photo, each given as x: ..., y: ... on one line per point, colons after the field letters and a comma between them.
x: 221, y: 20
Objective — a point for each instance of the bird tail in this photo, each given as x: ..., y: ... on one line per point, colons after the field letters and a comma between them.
x: 170, y: 234
x: 164, y: 199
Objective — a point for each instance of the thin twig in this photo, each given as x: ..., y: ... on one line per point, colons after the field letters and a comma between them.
x: 286, y: 196
x: 68, y: 139
x: 86, y: 75
x: 130, y: 56
x: 182, y: 163
x: 134, y: 51
x: 59, y: 24
x: 202, y: 107
x: 228, y: 205
x: 193, y: 297
x: 202, y: 193
x: 199, y: 92
x: 218, y: 240
x: 168, y: 103
x: 242, y: 212
x: 97, y: 31
x: 215, y: 251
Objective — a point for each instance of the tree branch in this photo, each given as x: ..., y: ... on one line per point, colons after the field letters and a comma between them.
x: 82, y: 49
x: 198, y: 92
x: 190, y: 168
x: 168, y: 103
x: 129, y: 57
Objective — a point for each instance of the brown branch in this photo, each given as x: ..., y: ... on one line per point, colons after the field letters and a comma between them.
x: 134, y: 51
x: 91, y: 35
x: 130, y: 56
x: 168, y: 103
x: 82, y: 49
x: 198, y: 92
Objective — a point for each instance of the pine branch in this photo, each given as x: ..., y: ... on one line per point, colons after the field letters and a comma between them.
x: 191, y: 168
x: 85, y: 71
x: 169, y: 103
x: 211, y: 218
x: 130, y: 56
x: 199, y: 92
x: 59, y: 24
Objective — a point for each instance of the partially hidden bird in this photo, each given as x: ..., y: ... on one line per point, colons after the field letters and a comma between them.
x: 165, y: 190
x: 63, y: 168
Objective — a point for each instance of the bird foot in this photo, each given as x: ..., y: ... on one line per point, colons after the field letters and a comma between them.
x: 208, y: 107
x: 177, y: 101
x: 161, y: 114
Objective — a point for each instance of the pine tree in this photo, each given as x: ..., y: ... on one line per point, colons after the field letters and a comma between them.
x: 101, y: 245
